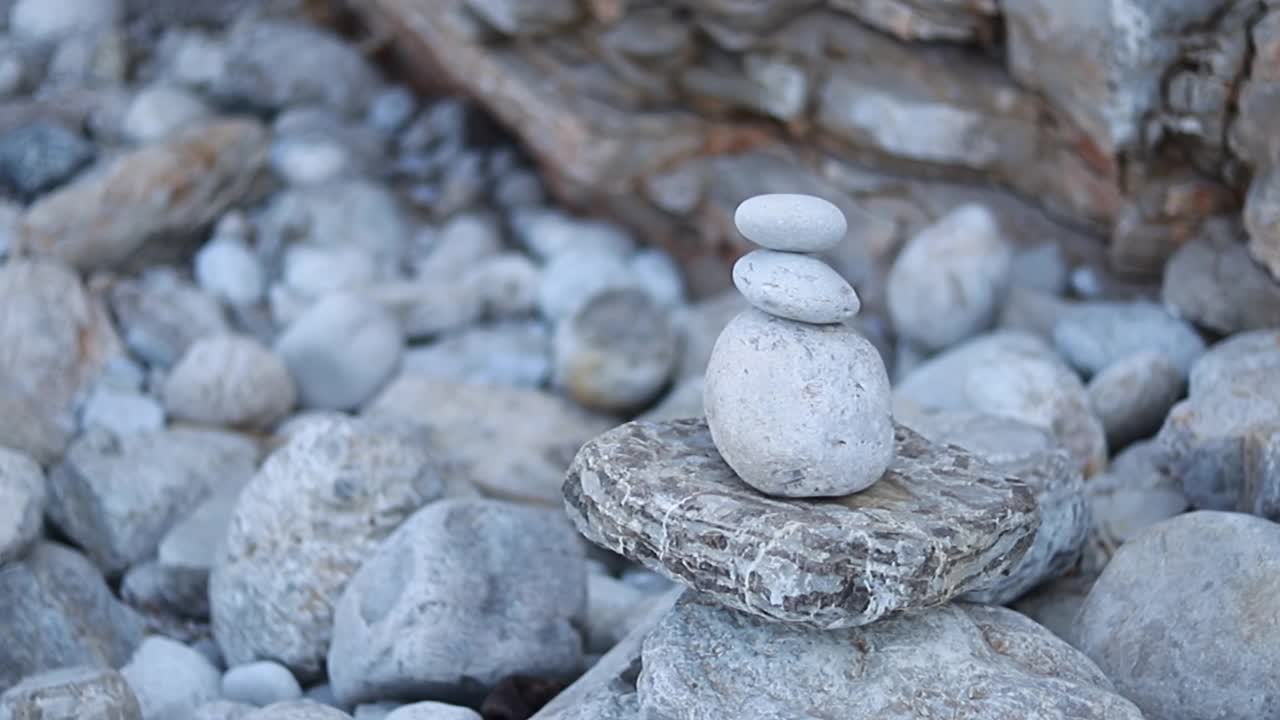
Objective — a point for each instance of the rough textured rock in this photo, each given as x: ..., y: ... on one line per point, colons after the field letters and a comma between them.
x: 72, y: 693
x: 297, y: 710
x: 1262, y: 218
x: 170, y: 679
x: 799, y: 410
x: 56, y: 611
x: 1138, y: 490
x: 616, y: 352
x: 1012, y: 374
x: 794, y: 286
x: 537, y: 432
x: 1132, y: 396
x: 1204, y: 435
x: 117, y: 497
x: 22, y: 501
x: 229, y: 380
x: 222, y: 710
x: 1206, y: 579
x: 965, y: 660
x: 1030, y: 455
x: 54, y: 341
x: 949, y: 280
x: 464, y: 593
x: 39, y: 157
x: 939, y: 523
x: 1214, y: 283
x: 1237, y: 355
x: 317, y: 508
x: 161, y: 315
x: 1056, y: 604
x: 155, y: 192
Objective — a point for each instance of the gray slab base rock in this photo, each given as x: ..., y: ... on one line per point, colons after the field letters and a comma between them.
x: 939, y: 523
x: 958, y: 661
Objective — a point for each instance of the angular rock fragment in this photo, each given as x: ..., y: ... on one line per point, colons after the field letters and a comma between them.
x: 72, y: 693
x: 939, y: 523
x: 155, y: 192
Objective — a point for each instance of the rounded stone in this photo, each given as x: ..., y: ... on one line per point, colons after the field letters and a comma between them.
x: 229, y: 380
x: 948, y: 282
x: 799, y: 410
x: 795, y: 287
x: 260, y: 683
x: 791, y: 222
x: 159, y: 111
x: 617, y: 352
x: 1132, y: 396
x: 1182, y: 619
x: 56, y: 19
x: 227, y: 269
x: 341, y: 351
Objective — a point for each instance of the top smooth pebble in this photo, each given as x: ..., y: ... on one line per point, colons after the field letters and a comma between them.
x: 791, y: 223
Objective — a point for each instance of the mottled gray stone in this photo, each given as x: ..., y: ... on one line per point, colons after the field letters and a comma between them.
x: 351, y: 213
x: 1092, y: 336
x: 22, y: 501
x: 513, y: 17
x: 1138, y: 490
x: 317, y: 270
x: 260, y: 683
x: 1237, y: 355
x: 297, y: 710
x: 1132, y: 396
x: 375, y: 710
x: 659, y: 275
x: 1177, y: 620
x: 616, y: 352
x: 316, y: 509
x: 341, y: 351
x: 117, y: 497
x: 791, y: 222
x: 464, y: 593
x: 537, y: 433
x: 159, y: 111
x: 1015, y: 375
x: 55, y: 339
x: 1031, y: 311
x: 120, y: 412
x: 1204, y: 435
x: 156, y: 588
x: 799, y: 410
x: 701, y: 324
x: 1032, y: 456
x: 939, y: 523
x: 153, y: 193
x: 1214, y: 283
x: 516, y: 353
x: 607, y: 691
x: 457, y: 246
x: 39, y: 157
x: 614, y: 607
x: 795, y: 286
x: 684, y: 400
x: 1056, y: 604
x: 703, y: 660
x: 550, y: 233
x: 505, y: 285
x: 229, y: 380
x: 227, y: 269
x: 71, y: 693
x: 949, y: 281
x: 161, y: 315
x: 55, y: 19
x: 55, y: 611
x: 170, y: 679
x: 1262, y: 218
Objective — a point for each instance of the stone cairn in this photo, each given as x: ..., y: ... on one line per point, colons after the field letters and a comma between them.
x: 804, y: 519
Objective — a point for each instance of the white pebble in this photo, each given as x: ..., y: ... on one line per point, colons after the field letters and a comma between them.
x: 156, y: 112
x: 656, y: 272
x: 789, y: 222
x: 260, y: 683
x: 795, y: 287
x: 55, y: 19
x: 228, y: 270
x: 122, y: 412
x: 341, y: 351
x: 315, y: 270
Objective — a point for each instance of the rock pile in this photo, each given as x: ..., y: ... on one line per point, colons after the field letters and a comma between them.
x: 811, y: 540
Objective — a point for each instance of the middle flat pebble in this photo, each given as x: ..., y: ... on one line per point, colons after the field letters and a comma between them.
x: 795, y: 287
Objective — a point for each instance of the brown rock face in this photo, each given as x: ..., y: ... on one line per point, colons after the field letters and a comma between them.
x: 1135, y: 124
x: 939, y: 523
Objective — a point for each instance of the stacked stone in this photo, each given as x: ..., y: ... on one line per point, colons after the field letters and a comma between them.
x: 805, y: 521
x: 798, y: 402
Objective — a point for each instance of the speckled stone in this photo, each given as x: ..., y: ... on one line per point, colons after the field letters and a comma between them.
x: 791, y: 223
x: 795, y: 287
x: 939, y: 523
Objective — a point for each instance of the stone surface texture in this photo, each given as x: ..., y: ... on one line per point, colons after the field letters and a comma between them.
x: 939, y: 523
x: 961, y: 660
x: 71, y: 693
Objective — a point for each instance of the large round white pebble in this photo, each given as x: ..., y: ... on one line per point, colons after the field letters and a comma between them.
x: 790, y: 222
x: 799, y: 410
x: 796, y: 287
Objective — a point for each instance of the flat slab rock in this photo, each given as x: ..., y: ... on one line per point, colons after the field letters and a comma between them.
x: 938, y: 524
